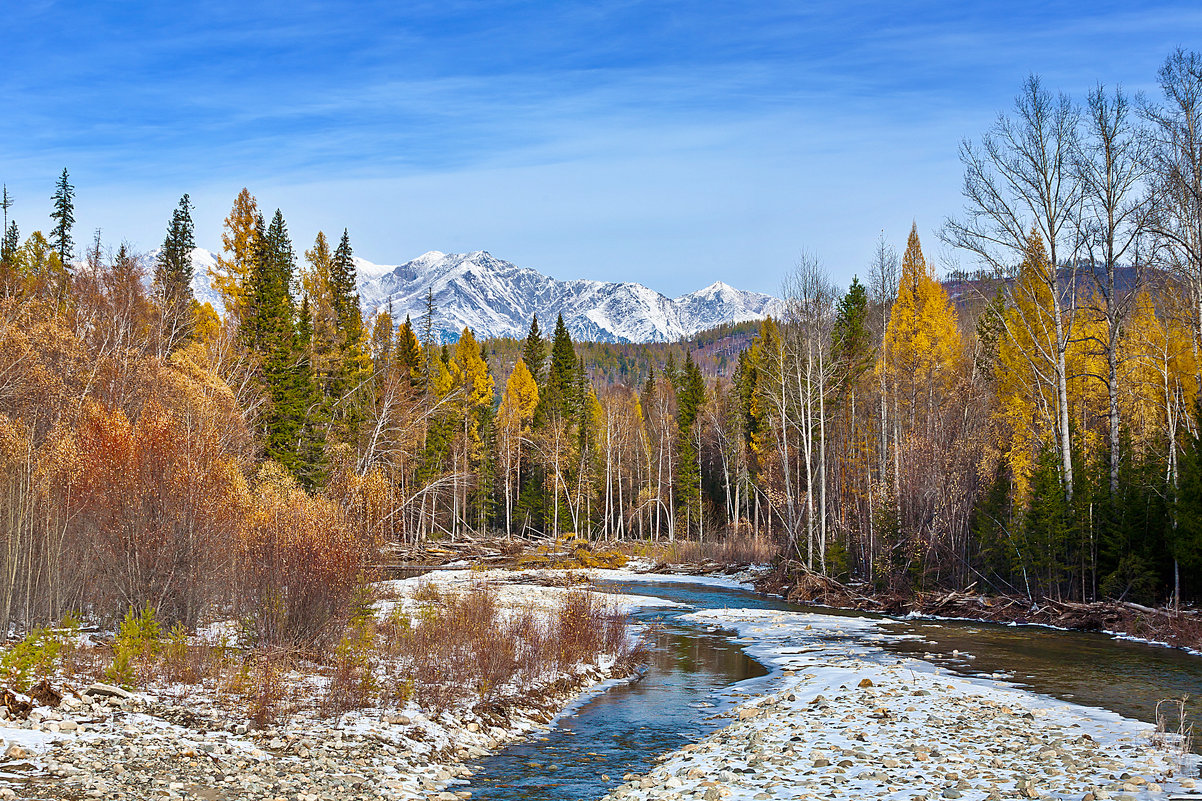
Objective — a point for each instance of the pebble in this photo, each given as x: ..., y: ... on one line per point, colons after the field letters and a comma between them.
x: 899, y: 734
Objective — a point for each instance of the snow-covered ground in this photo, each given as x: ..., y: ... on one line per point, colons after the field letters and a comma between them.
x: 177, y: 742
x: 845, y: 720
x: 838, y: 718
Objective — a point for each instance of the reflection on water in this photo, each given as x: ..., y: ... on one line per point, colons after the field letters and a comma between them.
x: 622, y: 731
x: 1089, y: 669
x: 691, y: 671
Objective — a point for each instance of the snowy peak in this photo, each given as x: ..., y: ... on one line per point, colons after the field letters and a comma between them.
x: 496, y: 298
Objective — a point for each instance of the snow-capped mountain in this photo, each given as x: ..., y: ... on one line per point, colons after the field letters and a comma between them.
x: 496, y: 298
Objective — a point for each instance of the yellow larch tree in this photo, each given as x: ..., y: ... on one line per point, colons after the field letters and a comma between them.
x: 1158, y: 375
x: 315, y: 281
x: 1027, y: 402
x: 233, y: 266
x: 923, y: 345
x: 474, y: 387
x: 921, y: 361
x: 513, y: 423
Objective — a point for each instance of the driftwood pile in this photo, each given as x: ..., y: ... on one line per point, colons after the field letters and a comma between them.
x: 1177, y: 627
x: 486, y: 551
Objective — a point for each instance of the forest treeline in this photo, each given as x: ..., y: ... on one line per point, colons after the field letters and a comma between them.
x: 1038, y: 436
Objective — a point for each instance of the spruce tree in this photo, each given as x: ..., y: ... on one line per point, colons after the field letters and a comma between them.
x: 6, y: 203
x: 352, y: 368
x: 851, y: 340
x: 342, y: 285
x: 690, y: 397
x: 427, y: 329
x: 10, y: 244
x: 534, y: 351
x: 562, y: 380
x: 690, y: 393
x: 64, y: 220
x: 270, y: 331
x: 173, y: 270
x: 311, y: 442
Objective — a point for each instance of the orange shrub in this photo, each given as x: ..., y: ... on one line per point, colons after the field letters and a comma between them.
x: 299, y: 562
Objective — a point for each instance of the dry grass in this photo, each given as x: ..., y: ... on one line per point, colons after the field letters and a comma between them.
x: 461, y: 647
x: 1174, y: 731
x: 728, y: 550
x: 573, y: 553
x: 455, y: 648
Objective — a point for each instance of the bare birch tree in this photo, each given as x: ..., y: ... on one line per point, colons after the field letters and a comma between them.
x: 1022, y: 178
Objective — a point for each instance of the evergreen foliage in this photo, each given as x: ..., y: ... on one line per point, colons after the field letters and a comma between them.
x: 10, y: 244
x: 280, y: 338
x: 173, y: 270
x: 851, y: 340
x: 562, y: 396
x: 534, y: 351
x: 63, y: 215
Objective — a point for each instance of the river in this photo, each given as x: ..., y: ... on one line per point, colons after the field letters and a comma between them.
x: 695, y: 673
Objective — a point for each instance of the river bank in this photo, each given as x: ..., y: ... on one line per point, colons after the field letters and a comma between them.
x: 191, y: 743
x: 845, y: 720
x: 1164, y: 626
x: 838, y: 717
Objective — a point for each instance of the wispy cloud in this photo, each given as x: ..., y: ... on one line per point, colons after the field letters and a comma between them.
x: 660, y: 139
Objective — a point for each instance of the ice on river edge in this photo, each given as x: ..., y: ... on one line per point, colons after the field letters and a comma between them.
x: 845, y: 719
x: 838, y: 718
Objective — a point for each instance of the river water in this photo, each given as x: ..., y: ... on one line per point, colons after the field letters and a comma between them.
x: 694, y: 673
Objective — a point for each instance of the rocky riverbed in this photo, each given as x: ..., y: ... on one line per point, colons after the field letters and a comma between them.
x: 847, y: 721
x: 839, y: 718
x: 114, y: 747
x: 162, y: 743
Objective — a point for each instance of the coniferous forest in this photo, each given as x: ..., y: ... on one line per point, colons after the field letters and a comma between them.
x: 1029, y: 424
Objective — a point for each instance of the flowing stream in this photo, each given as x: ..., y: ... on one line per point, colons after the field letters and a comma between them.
x: 695, y: 672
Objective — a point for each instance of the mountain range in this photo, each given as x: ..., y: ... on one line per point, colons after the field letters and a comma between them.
x: 498, y: 299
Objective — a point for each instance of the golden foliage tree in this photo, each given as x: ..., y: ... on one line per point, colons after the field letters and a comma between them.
x: 923, y: 347
x: 513, y: 424
x: 238, y: 239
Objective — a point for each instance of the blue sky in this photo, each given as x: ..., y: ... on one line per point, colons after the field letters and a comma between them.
x: 672, y: 143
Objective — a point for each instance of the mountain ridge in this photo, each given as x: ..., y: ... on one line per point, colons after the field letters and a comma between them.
x: 496, y: 298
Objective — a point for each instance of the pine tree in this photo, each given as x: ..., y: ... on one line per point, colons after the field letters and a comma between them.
x: 534, y: 351
x: 231, y: 275
x: 173, y: 270
x: 64, y: 219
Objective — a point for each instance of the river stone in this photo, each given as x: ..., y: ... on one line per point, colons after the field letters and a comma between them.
x: 102, y: 690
